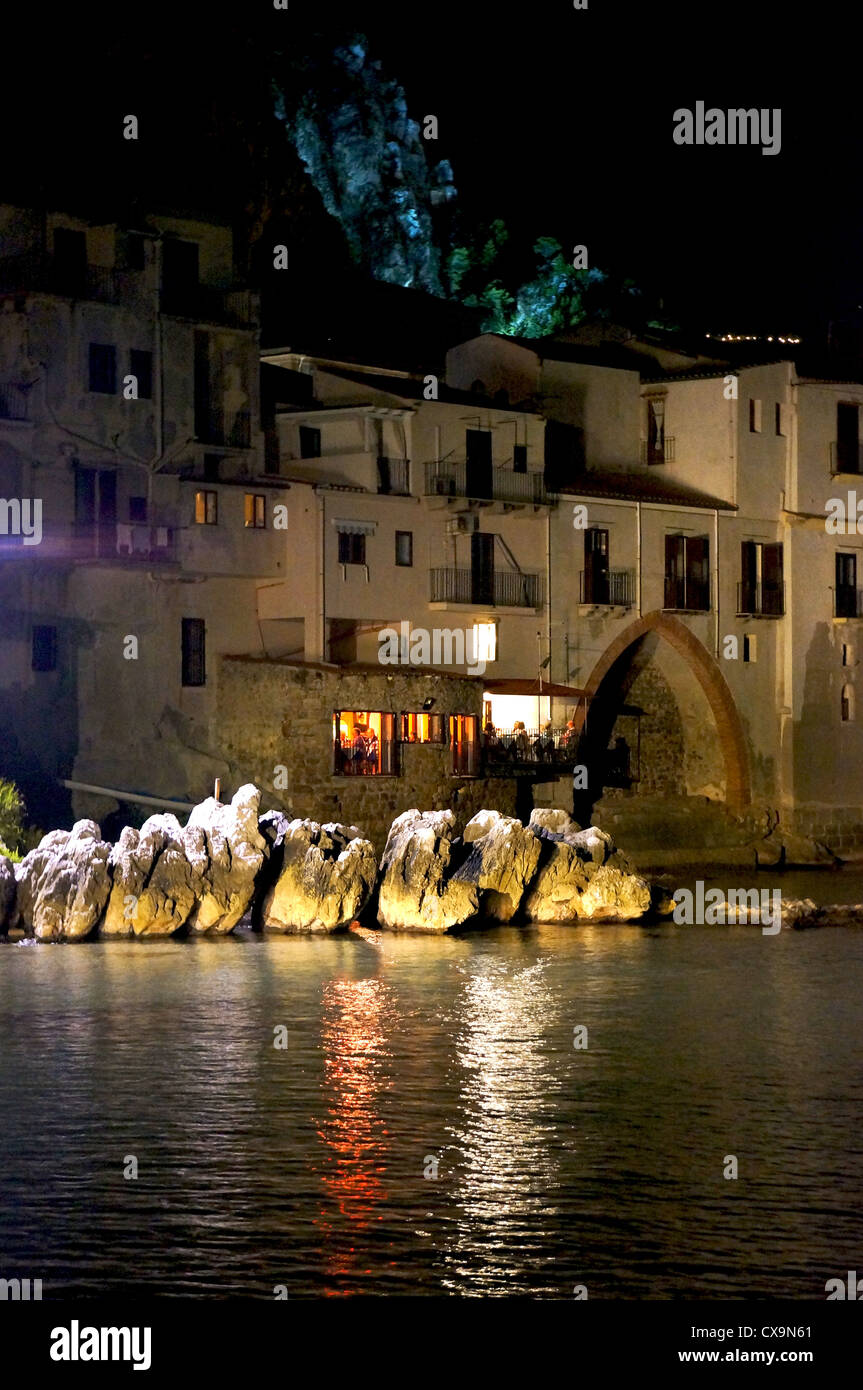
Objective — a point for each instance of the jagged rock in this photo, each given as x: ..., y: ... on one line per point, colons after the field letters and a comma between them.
x: 7, y: 892
x: 225, y: 850
x: 790, y: 850
x: 501, y: 862
x: 153, y: 890
x: 583, y: 876
x: 416, y: 892
x: 326, y: 878
x: 63, y: 884
x: 552, y: 819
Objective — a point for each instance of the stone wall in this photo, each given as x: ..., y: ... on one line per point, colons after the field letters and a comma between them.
x: 272, y: 714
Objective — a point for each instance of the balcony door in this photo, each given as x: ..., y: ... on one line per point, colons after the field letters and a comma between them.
x: 848, y: 437
x: 482, y: 568
x: 596, y: 565
x: 846, y: 586
x: 479, y: 465
x: 96, y: 508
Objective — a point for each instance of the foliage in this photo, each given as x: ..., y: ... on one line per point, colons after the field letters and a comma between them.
x: 11, y: 818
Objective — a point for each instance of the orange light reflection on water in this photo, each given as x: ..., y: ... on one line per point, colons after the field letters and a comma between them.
x: 354, y: 1041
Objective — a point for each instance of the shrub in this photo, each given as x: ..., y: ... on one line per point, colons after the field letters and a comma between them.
x: 12, y: 831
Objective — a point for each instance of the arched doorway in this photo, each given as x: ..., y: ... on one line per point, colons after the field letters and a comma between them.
x: 618, y: 673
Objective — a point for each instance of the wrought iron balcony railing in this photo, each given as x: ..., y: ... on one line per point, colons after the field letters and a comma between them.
x: 613, y: 588
x: 34, y: 272
x: 500, y: 589
x: 14, y: 402
x: 764, y: 600
x: 685, y: 595
x: 394, y: 476
x: 660, y: 451
x: 236, y: 308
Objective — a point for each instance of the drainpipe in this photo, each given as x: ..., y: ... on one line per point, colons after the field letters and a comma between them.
x: 158, y: 379
x: 133, y: 798
x: 321, y: 634
x: 716, y: 582
x: 548, y: 595
x: 638, y: 557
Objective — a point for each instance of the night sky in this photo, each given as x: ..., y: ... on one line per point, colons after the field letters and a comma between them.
x: 559, y: 121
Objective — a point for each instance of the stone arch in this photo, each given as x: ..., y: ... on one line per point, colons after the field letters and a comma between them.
x: 706, y: 670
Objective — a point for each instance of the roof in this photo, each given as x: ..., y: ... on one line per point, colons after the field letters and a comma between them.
x: 639, y: 487
x: 411, y: 389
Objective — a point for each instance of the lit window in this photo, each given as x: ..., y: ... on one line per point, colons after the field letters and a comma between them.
x: 422, y: 728
x: 364, y: 744
x: 484, y: 642
x: 465, y: 747
x: 206, y: 508
x: 255, y: 510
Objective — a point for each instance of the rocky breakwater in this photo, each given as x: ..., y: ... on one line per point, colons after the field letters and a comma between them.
x: 230, y: 864
x: 549, y: 871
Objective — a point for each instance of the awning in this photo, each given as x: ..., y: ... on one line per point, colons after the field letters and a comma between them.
x: 518, y: 686
x: 354, y: 528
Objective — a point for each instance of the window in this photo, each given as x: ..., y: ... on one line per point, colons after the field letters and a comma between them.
x: 762, y: 588
x: 656, y: 429
x: 519, y: 458
x: 780, y: 424
x: 687, y: 573
x: 103, y: 368
x: 754, y: 416
x: 255, y: 510
x: 352, y: 548
x: 44, y: 657
x: 206, y: 508
x: 310, y: 442
x: 364, y: 744
x: 70, y: 261
x: 847, y: 458
x: 194, y: 652
x: 135, y: 252
x: 847, y: 654
x: 750, y: 647
x: 484, y: 643
x: 141, y: 367
x: 564, y: 453
x: 212, y: 466
x: 137, y: 509
x: 404, y: 547
x: 594, y: 576
x: 847, y: 704
x: 846, y: 602
x: 422, y: 728
x: 465, y: 748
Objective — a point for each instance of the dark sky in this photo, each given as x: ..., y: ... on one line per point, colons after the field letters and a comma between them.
x: 557, y: 120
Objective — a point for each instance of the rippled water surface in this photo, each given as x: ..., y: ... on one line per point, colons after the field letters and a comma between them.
x: 304, y: 1166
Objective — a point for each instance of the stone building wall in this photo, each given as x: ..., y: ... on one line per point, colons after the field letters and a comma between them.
x: 273, y: 715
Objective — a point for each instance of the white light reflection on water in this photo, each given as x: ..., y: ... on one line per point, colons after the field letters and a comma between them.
x: 505, y: 1144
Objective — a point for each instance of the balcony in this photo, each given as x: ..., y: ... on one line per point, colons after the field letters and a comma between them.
x: 764, y: 600
x: 393, y: 476
x: 846, y: 457
x: 228, y: 429
x: 235, y: 308
x: 32, y: 272
x: 456, y: 480
x: 499, y: 589
x: 14, y: 403
x: 847, y: 601
x: 611, y: 589
x: 686, y: 595
x: 125, y: 542
x: 658, y: 451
